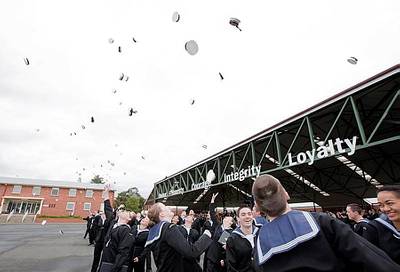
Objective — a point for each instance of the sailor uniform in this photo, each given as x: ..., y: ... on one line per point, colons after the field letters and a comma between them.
x: 117, y: 247
x: 191, y: 235
x: 302, y: 241
x: 103, y: 229
x: 170, y: 247
x: 139, y: 240
x: 361, y: 226
x: 382, y: 233
x: 239, y: 249
x: 216, y: 252
x: 259, y: 221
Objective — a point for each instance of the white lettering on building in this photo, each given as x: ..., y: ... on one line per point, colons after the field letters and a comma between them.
x: 324, y: 151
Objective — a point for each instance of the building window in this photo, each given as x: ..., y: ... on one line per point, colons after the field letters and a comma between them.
x: 36, y: 190
x: 70, y: 206
x: 89, y: 193
x: 17, y: 189
x: 54, y: 191
x: 72, y: 192
x: 87, y: 206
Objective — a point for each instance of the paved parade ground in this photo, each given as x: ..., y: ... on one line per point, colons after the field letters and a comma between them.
x: 44, y: 248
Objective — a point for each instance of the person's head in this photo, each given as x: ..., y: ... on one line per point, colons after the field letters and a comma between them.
x: 389, y: 201
x: 245, y: 216
x: 144, y: 222
x: 159, y: 212
x: 191, y: 213
x: 123, y: 217
x: 270, y: 196
x: 138, y: 216
x: 189, y: 220
x: 208, y: 216
x: 227, y: 222
x: 354, y: 211
x: 175, y: 219
x: 183, y: 214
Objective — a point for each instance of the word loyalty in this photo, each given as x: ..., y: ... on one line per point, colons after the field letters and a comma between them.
x: 324, y: 151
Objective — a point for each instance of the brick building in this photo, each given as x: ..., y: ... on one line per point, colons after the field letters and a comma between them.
x: 32, y: 197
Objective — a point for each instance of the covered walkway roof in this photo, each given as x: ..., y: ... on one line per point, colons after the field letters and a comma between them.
x: 336, y: 152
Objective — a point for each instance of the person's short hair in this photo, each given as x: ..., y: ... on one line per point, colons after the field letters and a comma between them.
x: 355, y: 207
x: 390, y: 188
x: 269, y: 195
x: 154, y: 212
x: 241, y: 208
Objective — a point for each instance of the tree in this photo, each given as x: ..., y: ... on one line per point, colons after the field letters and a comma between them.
x: 131, y: 198
x: 97, y: 180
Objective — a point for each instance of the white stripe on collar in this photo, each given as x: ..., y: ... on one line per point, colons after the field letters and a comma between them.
x: 263, y: 258
x: 239, y: 232
x: 396, y: 233
x: 158, y: 235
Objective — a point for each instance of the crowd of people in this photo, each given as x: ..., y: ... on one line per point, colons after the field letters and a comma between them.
x: 265, y: 236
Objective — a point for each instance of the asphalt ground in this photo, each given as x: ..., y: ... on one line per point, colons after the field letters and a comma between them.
x: 38, y: 248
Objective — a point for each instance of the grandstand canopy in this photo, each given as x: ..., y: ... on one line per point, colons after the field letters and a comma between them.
x: 336, y: 152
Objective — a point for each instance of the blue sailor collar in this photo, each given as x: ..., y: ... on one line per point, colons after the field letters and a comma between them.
x: 259, y: 221
x: 239, y: 232
x: 296, y: 226
x: 155, y: 233
x: 385, y: 221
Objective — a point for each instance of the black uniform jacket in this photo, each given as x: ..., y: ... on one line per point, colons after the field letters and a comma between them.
x: 190, y: 264
x: 316, y: 242
x: 104, y: 226
x: 361, y: 226
x: 117, y: 247
x: 215, y: 252
x: 170, y: 247
x: 239, y: 252
x: 384, y: 235
x: 193, y: 235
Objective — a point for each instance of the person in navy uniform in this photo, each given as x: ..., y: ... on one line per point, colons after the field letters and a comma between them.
x: 384, y: 231
x: 240, y: 244
x: 215, y: 256
x: 118, y: 243
x: 302, y: 241
x: 140, y: 233
x: 354, y: 212
x: 103, y: 225
x: 191, y: 235
x: 167, y: 243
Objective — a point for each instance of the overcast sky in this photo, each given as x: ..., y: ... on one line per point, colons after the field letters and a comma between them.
x: 289, y: 56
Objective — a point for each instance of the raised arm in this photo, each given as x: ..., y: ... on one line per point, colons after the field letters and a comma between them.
x: 213, y: 214
x: 176, y: 240
x: 108, y: 210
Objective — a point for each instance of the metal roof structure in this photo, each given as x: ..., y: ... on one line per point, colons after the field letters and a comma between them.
x: 51, y: 183
x: 336, y: 152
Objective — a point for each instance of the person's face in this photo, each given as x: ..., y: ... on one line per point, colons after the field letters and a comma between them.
x: 389, y: 204
x: 183, y: 214
x: 189, y: 219
x: 352, y: 215
x: 228, y: 221
x: 245, y: 217
x: 145, y: 222
x: 191, y: 213
x: 208, y: 217
x: 175, y: 219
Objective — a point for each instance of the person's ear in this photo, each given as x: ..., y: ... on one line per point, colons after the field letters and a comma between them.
x: 287, y: 196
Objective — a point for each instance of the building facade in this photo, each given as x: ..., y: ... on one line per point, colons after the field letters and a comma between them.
x: 19, y: 196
